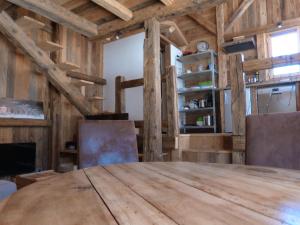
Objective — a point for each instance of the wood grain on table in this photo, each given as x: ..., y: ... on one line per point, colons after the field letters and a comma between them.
x: 159, y: 193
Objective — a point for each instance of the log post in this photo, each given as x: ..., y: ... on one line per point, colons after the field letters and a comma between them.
x: 152, y: 92
x: 222, y: 61
x: 119, y: 95
x: 238, y: 107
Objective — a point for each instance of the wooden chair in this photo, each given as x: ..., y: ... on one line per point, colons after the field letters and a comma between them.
x: 105, y: 142
x: 273, y: 140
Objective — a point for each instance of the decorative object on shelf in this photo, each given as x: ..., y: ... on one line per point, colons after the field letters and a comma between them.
x: 71, y: 145
x: 207, y: 120
x: 202, y: 46
x: 200, y: 121
x: 194, y: 104
x: 200, y: 68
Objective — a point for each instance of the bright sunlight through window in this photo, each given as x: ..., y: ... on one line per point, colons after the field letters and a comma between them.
x: 285, y: 44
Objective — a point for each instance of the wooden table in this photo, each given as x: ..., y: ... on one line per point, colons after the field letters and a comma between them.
x: 159, y: 193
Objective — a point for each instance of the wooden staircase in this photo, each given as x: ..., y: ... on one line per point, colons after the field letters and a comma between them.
x: 16, y: 32
x: 209, y: 148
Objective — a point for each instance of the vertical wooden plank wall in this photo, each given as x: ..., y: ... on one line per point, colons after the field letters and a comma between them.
x: 152, y: 92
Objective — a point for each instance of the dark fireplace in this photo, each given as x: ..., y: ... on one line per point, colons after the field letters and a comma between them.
x: 17, y: 159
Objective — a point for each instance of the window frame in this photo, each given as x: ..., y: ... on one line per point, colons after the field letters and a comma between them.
x: 269, y: 49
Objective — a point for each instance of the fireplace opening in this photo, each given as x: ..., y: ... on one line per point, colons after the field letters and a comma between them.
x: 17, y: 159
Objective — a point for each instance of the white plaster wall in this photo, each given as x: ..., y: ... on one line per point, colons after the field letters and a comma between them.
x: 125, y: 57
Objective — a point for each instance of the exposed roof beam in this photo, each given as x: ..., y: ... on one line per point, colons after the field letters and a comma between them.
x: 205, y: 23
x: 238, y: 14
x: 178, y: 8
x: 176, y: 35
x: 265, y: 29
x: 59, y: 14
x: 167, y: 2
x: 116, y: 8
x: 4, y: 5
x: 57, y: 77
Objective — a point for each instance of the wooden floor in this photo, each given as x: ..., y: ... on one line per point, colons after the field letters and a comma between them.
x: 159, y: 193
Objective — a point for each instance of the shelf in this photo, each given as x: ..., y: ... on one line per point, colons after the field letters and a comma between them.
x: 24, y: 123
x: 191, y: 91
x: 49, y: 46
x: 197, y: 127
x: 188, y: 59
x: 67, y: 151
x: 196, y: 75
x: 28, y: 23
x: 67, y: 66
x: 196, y: 110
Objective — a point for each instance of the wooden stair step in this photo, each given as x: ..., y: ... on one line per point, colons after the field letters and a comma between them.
x: 92, y: 78
x: 49, y: 46
x: 27, y: 23
x: 67, y: 66
x: 95, y: 98
x: 209, y: 156
x: 81, y: 83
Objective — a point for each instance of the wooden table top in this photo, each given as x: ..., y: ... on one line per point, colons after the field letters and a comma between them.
x: 159, y: 193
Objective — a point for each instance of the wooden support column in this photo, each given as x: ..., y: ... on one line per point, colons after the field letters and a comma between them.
x: 298, y: 96
x: 238, y: 106
x: 222, y: 61
x: 152, y: 92
x: 172, y: 108
x: 254, y: 106
x: 119, y: 95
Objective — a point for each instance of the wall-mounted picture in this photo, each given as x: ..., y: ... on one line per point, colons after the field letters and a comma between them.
x: 21, y: 109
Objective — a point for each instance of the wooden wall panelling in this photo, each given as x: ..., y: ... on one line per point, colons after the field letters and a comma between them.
x: 254, y: 103
x: 152, y: 92
x: 238, y: 106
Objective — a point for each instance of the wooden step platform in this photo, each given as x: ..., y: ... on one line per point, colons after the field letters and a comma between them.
x: 27, y: 23
x: 81, y: 83
x: 92, y: 78
x: 209, y: 156
x: 49, y: 46
x: 68, y: 66
x: 96, y: 98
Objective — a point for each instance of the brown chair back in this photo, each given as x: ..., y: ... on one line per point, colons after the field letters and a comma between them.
x: 105, y: 142
x: 273, y: 140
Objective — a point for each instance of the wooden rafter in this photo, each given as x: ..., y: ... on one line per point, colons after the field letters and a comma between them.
x: 57, y: 77
x: 116, y: 8
x: 178, y: 8
x: 167, y: 2
x: 205, y: 23
x: 59, y: 14
x: 265, y: 29
x: 175, y: 35
x: 238, y: 13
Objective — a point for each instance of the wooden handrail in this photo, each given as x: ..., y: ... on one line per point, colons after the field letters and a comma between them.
x: 132, y: 83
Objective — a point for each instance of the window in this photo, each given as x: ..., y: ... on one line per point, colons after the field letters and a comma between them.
x: 285, y: 43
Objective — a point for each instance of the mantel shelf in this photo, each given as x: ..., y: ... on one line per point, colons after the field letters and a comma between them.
x: 24, y: 123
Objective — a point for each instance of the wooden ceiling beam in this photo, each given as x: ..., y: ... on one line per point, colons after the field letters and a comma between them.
x: 56, y: 77
x: 116, y: 8
x: 167, y: 2
x: 285, y: 24
x: 176, y: 35
x: 59, y: 14
x: 205, y: 23
x: 238, y: 14
x: 178, y: 8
